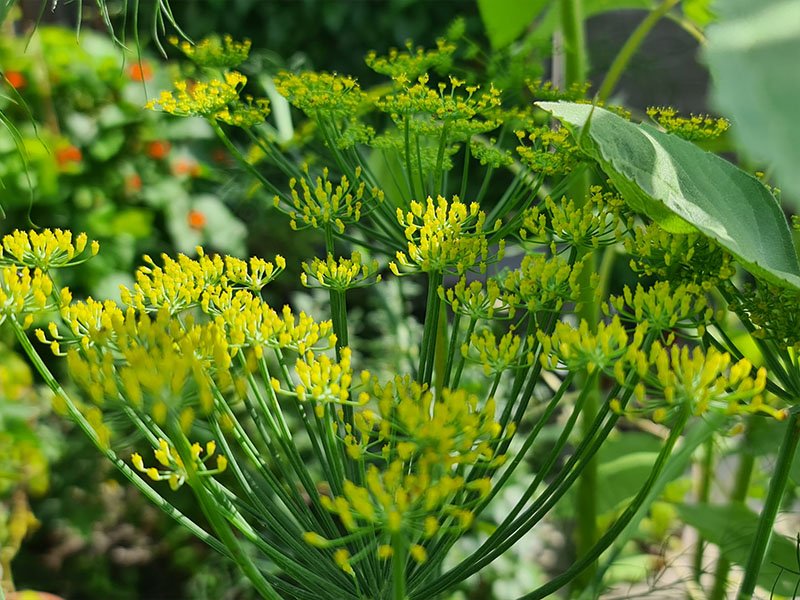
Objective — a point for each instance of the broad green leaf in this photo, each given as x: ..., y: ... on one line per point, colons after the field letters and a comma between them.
x: 505, y: 20
x: 753, y: 52
x: 682, y: 187
x: 732, y: 528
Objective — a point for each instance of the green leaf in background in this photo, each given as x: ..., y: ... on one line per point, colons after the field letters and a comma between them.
x: 680, y: 186
x: 732, y: 529
x: 753, y: 52
x: 505, y: 20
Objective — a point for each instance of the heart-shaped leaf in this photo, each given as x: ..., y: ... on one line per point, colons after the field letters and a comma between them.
x: 682, y: 187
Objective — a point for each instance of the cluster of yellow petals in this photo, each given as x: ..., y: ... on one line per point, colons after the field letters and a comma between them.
x: 173, y: 469
x: 340, y: 273
x: 23, y: 293
x: 428, y: 447
x: 443, y: 236
x: 46, y: 249
x: 201, y: 98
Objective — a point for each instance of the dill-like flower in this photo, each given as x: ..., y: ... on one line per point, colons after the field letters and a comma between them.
x: 490, y: 155
x: 320, y: 204
x: 774, y: 311
x: 478, y: 301
x: 443, y: 236
x: 591, y: 226
x: 244, y: 114
x: 412, y: 62
x: 173, y: 469
x: 205, y: 99
x: 23, y: 293
x: 664, y: 306
x: 340, y: 273
x: 708, y: 380
x: 322, y: 94
x: 543, y: 284
x: 548, y: 151
x: 441, y: 110
x: 429, y: 445
x: 498, y: 356
x: 692, y: 128
x: 215, y: 52
x: 546, y: 91
x: 677, y: 257
x: 578, y: 348
x: 45, y: 250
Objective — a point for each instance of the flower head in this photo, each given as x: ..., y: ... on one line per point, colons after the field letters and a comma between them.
x: 47, y: 250
x: 443, y: 236
x: 205, y: 99
x: 215, y: 52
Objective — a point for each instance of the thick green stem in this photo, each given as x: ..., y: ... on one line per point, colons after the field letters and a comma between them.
x: 703, y: 492
x: 398, y: 567
x: 630, y: 48
x: 777, y: 487
x: 573, y: 34
x: 744, y: 472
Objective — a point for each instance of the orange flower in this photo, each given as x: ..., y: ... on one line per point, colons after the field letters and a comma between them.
x: 68, y: 154
x: 140, y: 71
x: 16, y: 79
x: 158, y: 149
x: 133, y: 183
x: 196, y: 219
x: 185, y: 166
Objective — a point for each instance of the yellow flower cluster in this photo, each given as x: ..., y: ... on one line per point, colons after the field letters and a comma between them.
x: 590, y: 226
x: 184, y: 283
x: 444, y: 236
x: 774, y: 311
x: 579, y: 348
x: 543, y: 283
x: 340, y: 273
x: 214, y: 52
x: 48, y: 249
x: 693, y: 127
x: 322, y: 94
x: 478, y: 301
x: 704, y: 380
x: 205, y: 99
x: 429, y: 446
x: 455, y: 111
x: 244, y: 114
x: 548, y: 151
x: 323, y: 381
x: 498, y: 356
x: 413, y: 61
x: 23, y: 293
x: 158, y: 365
x: 252, y: 324
x: 173, y: 468
x: 677, y: 257
x: 320, y: 204
x: 663, y: 306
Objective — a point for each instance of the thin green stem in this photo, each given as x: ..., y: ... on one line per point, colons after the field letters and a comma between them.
x: 630, y: 48
x: 398, y: 567
x: 777, y: 487
x: 574, y: 40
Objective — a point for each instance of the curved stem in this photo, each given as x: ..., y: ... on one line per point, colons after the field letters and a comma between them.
x: 777, y: 487
x: 630, y: 47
